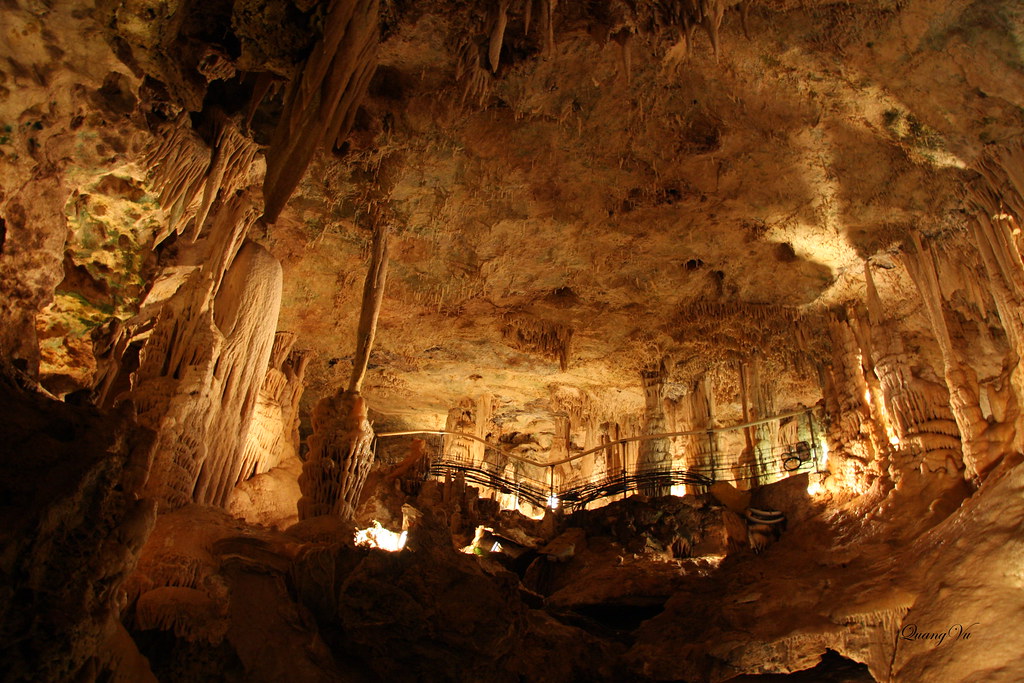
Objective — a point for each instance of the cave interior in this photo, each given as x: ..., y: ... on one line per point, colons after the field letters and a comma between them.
x: 511, y: 340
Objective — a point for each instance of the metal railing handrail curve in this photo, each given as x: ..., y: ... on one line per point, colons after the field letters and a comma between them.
x: 577, y: 456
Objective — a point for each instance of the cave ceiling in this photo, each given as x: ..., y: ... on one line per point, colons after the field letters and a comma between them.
x: 575, y: 205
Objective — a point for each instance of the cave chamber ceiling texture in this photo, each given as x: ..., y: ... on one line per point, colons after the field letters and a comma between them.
x: 511, y: 340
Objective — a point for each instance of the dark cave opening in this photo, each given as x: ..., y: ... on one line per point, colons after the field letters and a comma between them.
x: 833, y: 668
x: 623, y: 616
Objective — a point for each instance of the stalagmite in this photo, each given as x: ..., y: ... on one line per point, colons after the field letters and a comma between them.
x: 339, y: 448
x: 339, y: 457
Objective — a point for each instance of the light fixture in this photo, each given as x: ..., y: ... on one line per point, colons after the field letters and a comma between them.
x: 379, y: 537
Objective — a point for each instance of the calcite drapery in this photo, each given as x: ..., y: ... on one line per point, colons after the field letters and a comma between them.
x: 914, y: 407
x: 274, y: 433
x: 961, y: 379
x: 200, y: 374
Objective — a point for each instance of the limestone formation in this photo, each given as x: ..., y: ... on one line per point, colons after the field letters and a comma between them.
x: 270, y: 463
x: 688, y: 346
x: 654, y: 453
x: 321, y: 102
x: 339, y: 456
x: 200, y: 375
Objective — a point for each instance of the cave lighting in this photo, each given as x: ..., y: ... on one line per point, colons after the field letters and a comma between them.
x: 678, y: 490
x: 814, y: 488
x: 379, y: 537
x: 553, y: 502
x: 894, y: 440
x: 478, y: 536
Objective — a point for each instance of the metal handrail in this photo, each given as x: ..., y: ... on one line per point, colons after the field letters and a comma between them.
x: 629, y: 439
x: 581, y: 492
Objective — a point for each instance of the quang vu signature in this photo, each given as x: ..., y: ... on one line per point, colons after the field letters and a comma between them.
x: 954, y: 633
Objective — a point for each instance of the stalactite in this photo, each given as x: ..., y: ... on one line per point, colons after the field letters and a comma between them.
x: 917, y: 410
x: 475, y: 81
x: 993, y: 230
x: 687, y: 15
x: 624, y: 38
x: 961, y: 380
x: 547, y: 18
x: 497, y: 35
x: 549, y: 340
x: 321, y: 102
x: 190, y: 176
x: 373, y: 294
x: 782, y: 337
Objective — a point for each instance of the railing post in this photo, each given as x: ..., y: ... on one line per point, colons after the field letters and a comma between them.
x: 814, y: 442
x: 625, y: 486
x: 551, y: 485
x: 711, y: 452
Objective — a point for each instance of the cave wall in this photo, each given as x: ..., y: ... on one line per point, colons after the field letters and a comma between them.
x: 208, y: 120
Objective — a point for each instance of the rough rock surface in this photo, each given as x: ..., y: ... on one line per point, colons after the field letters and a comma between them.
x: 73, y: 527
x: 756, y: 223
